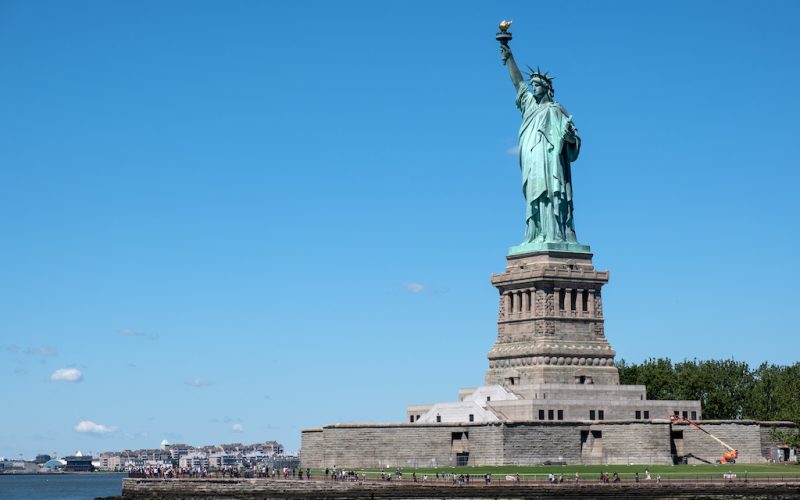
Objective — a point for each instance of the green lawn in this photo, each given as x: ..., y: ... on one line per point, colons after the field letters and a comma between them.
x: 592, y: 472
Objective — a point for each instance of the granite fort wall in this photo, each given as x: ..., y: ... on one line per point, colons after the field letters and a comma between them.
x: 486, y: 445
x: 768, y: 444
x: 634, y: 442
x: 750, y: 438
x: 313, y: 448
x: 620, y: 442
x: 400, y: 445
x: 529, y: 443
x: 744, y: 437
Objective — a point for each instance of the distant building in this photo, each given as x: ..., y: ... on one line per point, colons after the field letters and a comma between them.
x: 176, y: 451
x: 53, y: 464
x: 222, y: 459
x: 17, y: 467
x: 256, y: 456
x: 214, y: 456
x: 105, y: 459
x: 273, y: 448
x: 194, y: 460
x: 78, y: 463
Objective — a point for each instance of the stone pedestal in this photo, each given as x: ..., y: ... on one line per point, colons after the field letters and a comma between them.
x: 550, y: 322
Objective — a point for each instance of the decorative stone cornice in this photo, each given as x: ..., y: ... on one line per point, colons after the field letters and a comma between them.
x: 528, y: 275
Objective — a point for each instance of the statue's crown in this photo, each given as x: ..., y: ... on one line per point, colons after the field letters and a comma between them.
x: 538, y: 75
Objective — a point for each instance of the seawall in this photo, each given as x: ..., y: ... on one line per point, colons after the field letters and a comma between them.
x: 264, y: 489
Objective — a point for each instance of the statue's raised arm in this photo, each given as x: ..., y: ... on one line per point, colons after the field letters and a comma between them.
x: 508, y: 60
x: 505, y: 54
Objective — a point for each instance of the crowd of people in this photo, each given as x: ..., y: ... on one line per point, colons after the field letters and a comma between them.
x: 343, y: 475
x: 266, y: 472
x: 167, y: 472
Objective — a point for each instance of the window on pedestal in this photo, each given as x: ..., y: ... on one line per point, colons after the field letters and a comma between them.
x: 573, y: 300
x: 471, y: 417
x: 541, y: 414
x: 585, y: 297
x: 438, y: 418
x: 638, y: 414
x: 561, y: 414
x: 600, y: 415
x: 561, y: 298
x: 647, y: 414
x: 550, y: 415
x: 694, y: 415
x: 591, y: 415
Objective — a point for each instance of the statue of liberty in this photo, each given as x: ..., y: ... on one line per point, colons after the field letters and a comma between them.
x: 548, y: 144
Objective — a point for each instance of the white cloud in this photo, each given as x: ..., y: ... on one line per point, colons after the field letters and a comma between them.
x: 413, y: 287
x: 66, y: 375
x: 93, y: 428
x: 513, y: 151
x: 237, y: 427
x: 198, y: 382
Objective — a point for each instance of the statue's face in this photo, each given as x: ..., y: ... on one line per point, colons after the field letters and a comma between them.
x: 539, y: 88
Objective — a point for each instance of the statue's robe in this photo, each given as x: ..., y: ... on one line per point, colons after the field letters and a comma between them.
x: 544, y: 159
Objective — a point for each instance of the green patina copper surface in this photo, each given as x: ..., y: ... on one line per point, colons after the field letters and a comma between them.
x: 548, y: 144
x: 548, y: 246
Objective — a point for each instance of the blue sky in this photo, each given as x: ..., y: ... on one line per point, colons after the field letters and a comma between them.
x: 229, y: 221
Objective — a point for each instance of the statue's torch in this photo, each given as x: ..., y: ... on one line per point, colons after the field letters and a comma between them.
x: 504, y: 36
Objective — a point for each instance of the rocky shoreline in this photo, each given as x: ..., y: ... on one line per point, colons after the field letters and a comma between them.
x: 264, y: 489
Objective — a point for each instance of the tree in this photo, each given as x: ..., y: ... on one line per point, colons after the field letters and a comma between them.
x: 775, y: 393
x: 657, y: 375
x: 727, y: 389
x: 774, y: 397
x: 628, y: 374
x: 722, y: 386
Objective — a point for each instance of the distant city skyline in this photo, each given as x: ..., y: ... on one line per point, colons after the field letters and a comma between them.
x: 231, y: 222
